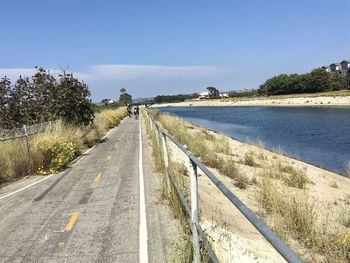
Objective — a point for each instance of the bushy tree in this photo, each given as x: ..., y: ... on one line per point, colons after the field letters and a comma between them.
x: 124, y: 97
x: 42, y: 98
x: 72, y: 100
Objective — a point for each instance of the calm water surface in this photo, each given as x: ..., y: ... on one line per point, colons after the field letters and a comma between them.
x: 320, y: 136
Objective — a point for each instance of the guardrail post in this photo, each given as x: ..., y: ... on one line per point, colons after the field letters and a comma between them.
x: 194, y: 210
x: 26, y: 136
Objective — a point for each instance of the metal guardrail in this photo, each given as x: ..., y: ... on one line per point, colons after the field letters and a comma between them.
x: 193, y: 211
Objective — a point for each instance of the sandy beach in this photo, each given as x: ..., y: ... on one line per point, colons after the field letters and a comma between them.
x: 319, y: 101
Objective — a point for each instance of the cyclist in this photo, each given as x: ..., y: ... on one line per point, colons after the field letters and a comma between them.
x: 129, y: 110
x: 136, y: 111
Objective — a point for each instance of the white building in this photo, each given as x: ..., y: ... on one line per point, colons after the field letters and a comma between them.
x: 339, y: 68
x: 205, y: 95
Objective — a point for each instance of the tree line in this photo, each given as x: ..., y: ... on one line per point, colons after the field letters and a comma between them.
x: 44, y: 97
x: 318, y: 80
x: 174, y: 98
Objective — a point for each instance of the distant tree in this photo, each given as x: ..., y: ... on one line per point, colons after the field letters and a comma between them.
x: 213, y: 92
x: 5, y: 90
x: 318, y: 80
x: 174, y: 98
x: 124, y: 97
x: 243, y: 93
x: 339, y: 82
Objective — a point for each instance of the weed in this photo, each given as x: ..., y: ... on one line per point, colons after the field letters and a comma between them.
x: 182, y: 250
x: 212, y: 160
x: 334, y: 184
x: 250, y: 160
x: 241, y: 181
x: 228, y: 168
x: 285, y: 169
x: 296, y: 179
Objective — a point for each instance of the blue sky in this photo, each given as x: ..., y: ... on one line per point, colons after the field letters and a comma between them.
x: 169, y: 47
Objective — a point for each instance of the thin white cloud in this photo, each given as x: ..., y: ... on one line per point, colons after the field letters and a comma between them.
x: 14, y: 73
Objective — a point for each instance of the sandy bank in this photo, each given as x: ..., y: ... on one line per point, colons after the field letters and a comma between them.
x: 335, y: 101
x: 323, y: 202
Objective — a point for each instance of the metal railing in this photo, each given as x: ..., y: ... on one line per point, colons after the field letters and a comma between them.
x: 193, y: 209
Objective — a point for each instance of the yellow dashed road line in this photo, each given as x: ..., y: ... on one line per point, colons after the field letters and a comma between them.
x: 98, y: 177
x: 71, y: 222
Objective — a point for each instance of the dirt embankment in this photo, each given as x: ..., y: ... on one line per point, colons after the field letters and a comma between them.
x: 314, y: 202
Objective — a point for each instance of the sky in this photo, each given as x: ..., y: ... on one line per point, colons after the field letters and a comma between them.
x: 159, y: 47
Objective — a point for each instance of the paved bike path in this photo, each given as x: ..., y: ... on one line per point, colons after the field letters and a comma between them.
x: 91, y: 212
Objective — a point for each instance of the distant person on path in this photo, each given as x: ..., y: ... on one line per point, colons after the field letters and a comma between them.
x: 136, y: 111
x: 129, y: 110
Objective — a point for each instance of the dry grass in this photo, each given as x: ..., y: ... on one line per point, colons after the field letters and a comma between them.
x: 345, y: 216
x: 52, y: 150
x: 296, y: 178
x: 14, y: 160
x: 293, y: 217
x: 249, y: 160
x: 228, y: 168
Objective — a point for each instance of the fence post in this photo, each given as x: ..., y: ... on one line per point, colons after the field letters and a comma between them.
x: 26, y: 136
x: 194, y: 210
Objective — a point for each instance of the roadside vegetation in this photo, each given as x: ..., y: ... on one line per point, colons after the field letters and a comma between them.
x: 61, y: 100
x: 52, y: 150
x: 279, y: 189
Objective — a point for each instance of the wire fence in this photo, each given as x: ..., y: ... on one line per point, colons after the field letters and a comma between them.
x: 25, y: 133
x: 166, y: 141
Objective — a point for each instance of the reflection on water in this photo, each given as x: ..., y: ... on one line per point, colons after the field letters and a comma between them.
x: 317, y: 135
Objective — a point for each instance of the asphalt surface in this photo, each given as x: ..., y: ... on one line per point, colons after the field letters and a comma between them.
x: 90, y: 212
